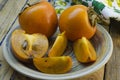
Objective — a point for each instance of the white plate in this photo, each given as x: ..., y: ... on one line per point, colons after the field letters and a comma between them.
x: 101, y: 41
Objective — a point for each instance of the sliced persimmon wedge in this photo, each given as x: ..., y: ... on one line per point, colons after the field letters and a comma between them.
x: 27, y: 46
x: 59, y: 46
x: 53, y: 65
x: 84, y: 50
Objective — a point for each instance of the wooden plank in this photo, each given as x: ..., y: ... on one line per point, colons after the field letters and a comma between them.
x: 112, y: 71
x: 8, y: 14
x: 5, y: 69
x: 2, y: 3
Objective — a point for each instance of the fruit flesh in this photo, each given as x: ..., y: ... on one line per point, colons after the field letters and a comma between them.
x: 84, y: 51
x: 59, y: 46
x: 26, y: 47
x: 53, y: 65
x: 17, y: 45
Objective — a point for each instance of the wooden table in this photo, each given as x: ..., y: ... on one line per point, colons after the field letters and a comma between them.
x: 9, y: 10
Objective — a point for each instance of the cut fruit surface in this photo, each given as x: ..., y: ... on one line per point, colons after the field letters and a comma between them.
x: 26, y: 46
x: 53, y: 65
x: 84, y: 51
x: 59, y: 46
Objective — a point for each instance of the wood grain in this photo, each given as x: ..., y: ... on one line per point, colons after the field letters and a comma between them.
x: 8, y: 14
x: 112, y: 71
x: 98, y: 75
x: 2, y: 3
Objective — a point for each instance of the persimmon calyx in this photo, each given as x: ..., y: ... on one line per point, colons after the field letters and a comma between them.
x: 93, y: 17
x: 96, y: 18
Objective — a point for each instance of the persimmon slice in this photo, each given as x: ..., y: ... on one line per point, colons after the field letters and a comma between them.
x: 53, y: 65
x: 59, y: 46
x: 27, y: 46
x: 84, y: 50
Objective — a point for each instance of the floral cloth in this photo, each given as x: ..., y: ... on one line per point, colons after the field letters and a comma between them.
x: 102, y: 7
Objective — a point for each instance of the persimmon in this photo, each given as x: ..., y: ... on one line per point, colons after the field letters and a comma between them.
x: 59, y: 46
x: 39, y: 18
x: 76, y: 22
x: 53, y: 65
x: 28, y: 46
x: 84, y: 50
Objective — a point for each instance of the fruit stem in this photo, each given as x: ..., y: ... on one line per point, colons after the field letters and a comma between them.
x: 92, y: 16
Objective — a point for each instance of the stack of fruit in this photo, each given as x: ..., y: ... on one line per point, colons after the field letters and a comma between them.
x: 39, y: 22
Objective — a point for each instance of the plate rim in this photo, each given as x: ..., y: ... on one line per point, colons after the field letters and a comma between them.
x: 39, y: 75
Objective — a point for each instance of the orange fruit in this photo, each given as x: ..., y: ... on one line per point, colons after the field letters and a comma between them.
x: 74, y: 20
x: 53, y: 65
x: 27, y: 46
x: 84, y: 50
x: 39, y: 18
x: 59, y: 46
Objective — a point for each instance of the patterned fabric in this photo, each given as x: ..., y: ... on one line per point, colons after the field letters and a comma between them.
x: 100, y: 6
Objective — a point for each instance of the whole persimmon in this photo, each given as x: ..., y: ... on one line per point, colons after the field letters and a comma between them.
x: 39, y: 18
x: 76, y: 23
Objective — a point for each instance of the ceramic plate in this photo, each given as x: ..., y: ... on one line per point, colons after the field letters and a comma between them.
x: 103, y: 46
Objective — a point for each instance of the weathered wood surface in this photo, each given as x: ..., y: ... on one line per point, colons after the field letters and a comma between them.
x: 9, y: 10
x: 112, y: 70
x: 8, y: 13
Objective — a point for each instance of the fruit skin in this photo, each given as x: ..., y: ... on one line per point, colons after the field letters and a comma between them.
x: 84, y: 51
x: 53, y: 65
x: 39, y: 18
x: 59, y: 46
x: 27, y: 46
x: 74, y: 20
